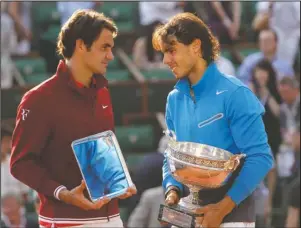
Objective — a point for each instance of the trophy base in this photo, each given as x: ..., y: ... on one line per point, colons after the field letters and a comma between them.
x: 178, y: 216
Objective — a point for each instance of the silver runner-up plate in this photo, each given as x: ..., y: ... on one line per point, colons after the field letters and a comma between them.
x: 102, y: 165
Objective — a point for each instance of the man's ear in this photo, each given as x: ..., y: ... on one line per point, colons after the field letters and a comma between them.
x: 196, y: 46
x: 80, y: 45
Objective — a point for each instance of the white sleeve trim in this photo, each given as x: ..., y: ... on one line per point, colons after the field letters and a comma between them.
x: 57, y: 191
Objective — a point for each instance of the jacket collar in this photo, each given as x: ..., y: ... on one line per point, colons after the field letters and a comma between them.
x: 204, y: 85
x: 64, y: 73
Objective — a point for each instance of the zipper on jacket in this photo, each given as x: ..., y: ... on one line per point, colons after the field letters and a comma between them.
x: 194, y: 109
x: 192, y: 94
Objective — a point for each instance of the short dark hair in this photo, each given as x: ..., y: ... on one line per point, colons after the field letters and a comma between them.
x: 289, y: 81
x: 85, y: 25
x: 186, y: 27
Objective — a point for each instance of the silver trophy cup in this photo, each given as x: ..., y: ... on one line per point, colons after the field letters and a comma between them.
x: 198, y: 166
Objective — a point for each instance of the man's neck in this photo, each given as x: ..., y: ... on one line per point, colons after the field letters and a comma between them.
x: 197, y: 73
x: 16, y: 222
x: 270, y: 56
x: 79, y: 73
x: 291, y: 104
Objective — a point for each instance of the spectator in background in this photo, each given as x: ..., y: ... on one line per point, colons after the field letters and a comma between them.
x: 286, y: 159
x: 264, y: 85
x: 261, y: 19
x: 9, y: 184
x: 13, y: 213
x: 8, y: 43
x: 140, y: 56
x: 262, y: 204
x: 293, y: 215
x: 37, y: 202
x: 296, y: 148
x: 148, y: 173
x: 198, y: 8
x: 284, y: 19
x: 224, y: 20
x: 20, y: 12
x: 268, y: 46
x: 290, y: 109
x: 225, y: 66
x: 153, y: 14
x: 146, y: 212
x: 66, y: 9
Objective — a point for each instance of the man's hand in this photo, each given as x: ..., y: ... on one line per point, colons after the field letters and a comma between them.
x: 233, y: 31
x: 181, y: 4
x: 232, y: 27
x: 129, y: 192
x: 172, y: 198
x: 215, y: 213
x: 77, y: 198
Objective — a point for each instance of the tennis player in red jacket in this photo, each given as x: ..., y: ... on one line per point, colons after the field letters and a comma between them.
x: 72, y: 104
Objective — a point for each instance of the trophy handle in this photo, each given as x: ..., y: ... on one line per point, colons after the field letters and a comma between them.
x: 171, y: 135
x: 233, y: 162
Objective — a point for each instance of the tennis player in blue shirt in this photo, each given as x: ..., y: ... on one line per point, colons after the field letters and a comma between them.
x: 209, y: 107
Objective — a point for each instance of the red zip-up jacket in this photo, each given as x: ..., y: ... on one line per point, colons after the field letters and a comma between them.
x: 49, y: 117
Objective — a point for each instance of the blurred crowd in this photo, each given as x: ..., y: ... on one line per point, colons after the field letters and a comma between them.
x: 272, y: 73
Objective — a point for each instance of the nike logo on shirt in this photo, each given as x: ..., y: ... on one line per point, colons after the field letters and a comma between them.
x: 220, y: 92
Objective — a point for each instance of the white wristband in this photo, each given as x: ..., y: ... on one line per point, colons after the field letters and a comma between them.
x: 57, y: 191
